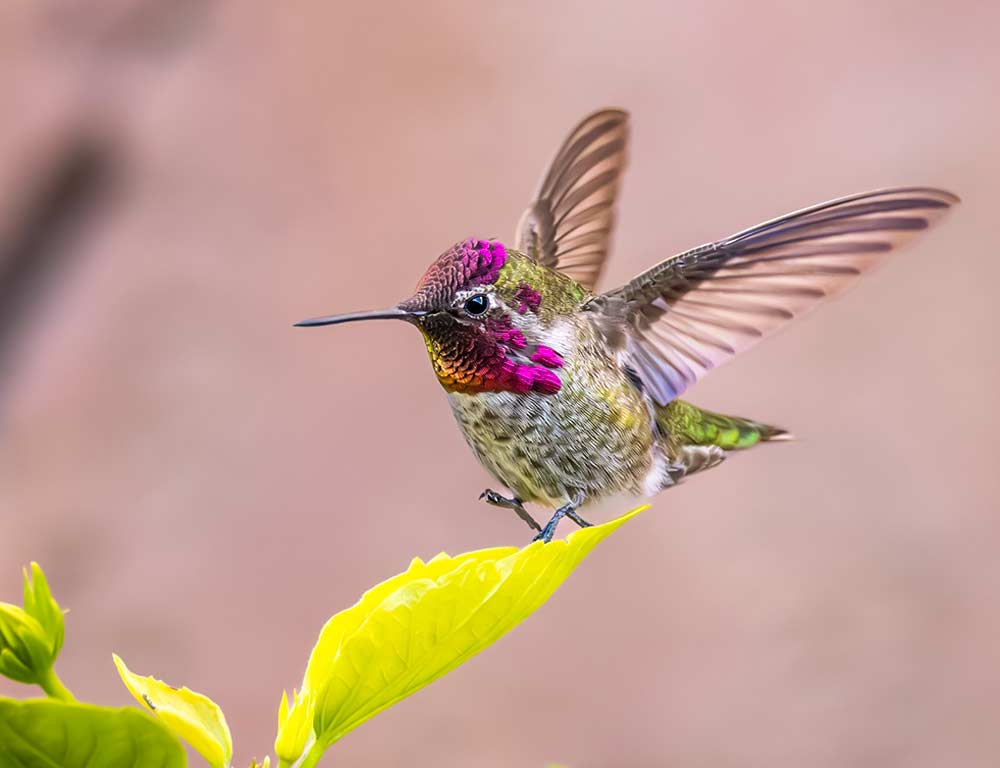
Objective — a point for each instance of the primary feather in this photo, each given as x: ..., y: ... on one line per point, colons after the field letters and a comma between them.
x: 692, y: 312
x: 568, y: 225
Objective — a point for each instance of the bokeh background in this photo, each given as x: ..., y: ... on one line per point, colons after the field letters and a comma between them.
x: 180, y: 181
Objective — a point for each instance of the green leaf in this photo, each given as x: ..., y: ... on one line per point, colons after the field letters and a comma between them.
x: 25, y: 651
x: 44, y: 734
x: 40, y: 605
x: 417, y: 626
x: 188, y: 714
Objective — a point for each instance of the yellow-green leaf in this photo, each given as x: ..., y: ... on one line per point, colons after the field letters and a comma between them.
x: 419, y: 625
x: 41, y: 733
x: 194, y: 717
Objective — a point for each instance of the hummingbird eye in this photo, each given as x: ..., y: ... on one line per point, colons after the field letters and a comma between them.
x: 477, y: 305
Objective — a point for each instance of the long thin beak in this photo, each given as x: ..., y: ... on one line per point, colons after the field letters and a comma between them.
x: 393, y: 313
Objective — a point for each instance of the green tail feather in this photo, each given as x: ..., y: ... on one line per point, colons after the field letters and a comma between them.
x: 690, y: 425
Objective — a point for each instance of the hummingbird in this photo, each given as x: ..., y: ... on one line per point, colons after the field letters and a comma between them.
x: 567, y: 395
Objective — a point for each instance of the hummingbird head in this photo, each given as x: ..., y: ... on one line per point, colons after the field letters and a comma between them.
x: 479, y: 307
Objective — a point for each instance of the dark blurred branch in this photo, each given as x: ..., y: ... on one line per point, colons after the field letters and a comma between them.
x: 40, y: 244
x: 117, y: 31
x: 42, y: 240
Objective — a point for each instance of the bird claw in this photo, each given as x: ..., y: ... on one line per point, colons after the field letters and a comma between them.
x: 546, y: 534
x: 567, y: 510
x: 492, y: 497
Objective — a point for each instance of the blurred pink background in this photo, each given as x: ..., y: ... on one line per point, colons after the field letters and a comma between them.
x: 205, y: 485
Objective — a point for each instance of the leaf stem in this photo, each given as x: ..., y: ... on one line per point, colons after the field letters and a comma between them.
x: 312, y: 757
x: 54, y: 687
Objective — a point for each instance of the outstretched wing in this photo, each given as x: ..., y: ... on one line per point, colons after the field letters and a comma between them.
x: 694, y: 311
x: 568, y: 226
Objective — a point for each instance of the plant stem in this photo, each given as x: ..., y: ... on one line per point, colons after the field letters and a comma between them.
x: 54, y: 687
x: 312, y: 757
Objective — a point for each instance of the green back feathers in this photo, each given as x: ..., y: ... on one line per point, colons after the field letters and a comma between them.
x: 690, y: 425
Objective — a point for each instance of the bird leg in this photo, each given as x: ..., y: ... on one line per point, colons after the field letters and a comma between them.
x: 566, y: 510
x: 514, y: 503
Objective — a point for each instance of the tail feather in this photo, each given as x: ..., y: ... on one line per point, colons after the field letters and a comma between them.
x: 686, y: 424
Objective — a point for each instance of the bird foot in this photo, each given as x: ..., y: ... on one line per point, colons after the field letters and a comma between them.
x: 492, y: 497
x: 567, y: 510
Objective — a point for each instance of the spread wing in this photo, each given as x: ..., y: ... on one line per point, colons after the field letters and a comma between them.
x: 568, y: 226
x: 694, y: 311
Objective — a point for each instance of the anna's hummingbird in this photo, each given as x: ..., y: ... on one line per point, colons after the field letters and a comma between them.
x: 567, y: 395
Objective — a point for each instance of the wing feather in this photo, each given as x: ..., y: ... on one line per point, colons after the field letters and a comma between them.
x: 692, y: 312
x: 569, y: 225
